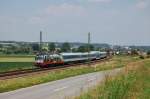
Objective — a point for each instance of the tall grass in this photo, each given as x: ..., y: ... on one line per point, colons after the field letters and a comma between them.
x: 131, y: 84
x: 12, y: 84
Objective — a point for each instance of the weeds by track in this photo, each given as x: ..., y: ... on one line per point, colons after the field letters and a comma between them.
x: 25, y: 72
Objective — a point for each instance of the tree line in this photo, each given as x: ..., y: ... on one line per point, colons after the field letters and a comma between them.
x: 35, y: 47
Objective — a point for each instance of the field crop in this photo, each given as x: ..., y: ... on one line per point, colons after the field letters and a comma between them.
x: 15, y: 62
x: 16, y: 83
x: 16, y: 58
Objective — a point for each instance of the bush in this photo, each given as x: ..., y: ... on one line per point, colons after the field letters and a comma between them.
x: 141, y: 57
x: 148, y: 53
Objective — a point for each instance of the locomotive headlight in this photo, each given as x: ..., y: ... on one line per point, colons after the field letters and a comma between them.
x: 39, y: 61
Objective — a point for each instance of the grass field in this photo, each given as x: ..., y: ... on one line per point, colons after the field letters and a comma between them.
x: 16, y: 83
x: 132, y: 83
x: 16, y: 62
x: 10, y: 66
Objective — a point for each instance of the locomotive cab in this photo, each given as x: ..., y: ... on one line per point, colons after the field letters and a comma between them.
x: 48, y: 60
x: 39, y: 60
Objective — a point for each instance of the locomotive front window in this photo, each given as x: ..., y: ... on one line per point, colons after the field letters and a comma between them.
x: 39, y: 58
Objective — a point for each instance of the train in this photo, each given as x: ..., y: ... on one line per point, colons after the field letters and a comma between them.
x: 47, y: 60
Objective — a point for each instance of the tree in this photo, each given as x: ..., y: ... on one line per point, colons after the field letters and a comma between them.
x: 25, y: 49
x: 1, y: 46
x: 11, y: 49
x: 84, y: 48
x: 134, y: 52
x: 74, y: 50
x: 35, y: 47
x: 65, y: 47
x: 92, y: 48
x: 148, y: 52
x: 51, y: 47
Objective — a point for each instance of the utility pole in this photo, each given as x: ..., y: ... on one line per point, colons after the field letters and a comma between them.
x: 89, y: 39
x: 40, y: 41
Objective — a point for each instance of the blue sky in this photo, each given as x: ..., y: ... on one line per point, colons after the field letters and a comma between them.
x: 125, y: 22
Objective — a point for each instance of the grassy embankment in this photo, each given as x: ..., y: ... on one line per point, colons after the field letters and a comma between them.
x: 16, y: 62
x: 16, y: 83
x: 133, y: 83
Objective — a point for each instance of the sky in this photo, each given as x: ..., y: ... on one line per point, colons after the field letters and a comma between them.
x: 121, y: 22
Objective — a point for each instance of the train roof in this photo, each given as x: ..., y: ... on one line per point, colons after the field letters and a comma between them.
x: 65, y: 54
x: 92, y: 52
x: 85, y: 53
x: 103, y: 52
x: 70, y: 53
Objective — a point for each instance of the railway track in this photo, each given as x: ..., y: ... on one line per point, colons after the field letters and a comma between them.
x: 26, y: 72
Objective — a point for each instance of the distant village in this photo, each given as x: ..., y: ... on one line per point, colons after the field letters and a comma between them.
x: 13, y: 47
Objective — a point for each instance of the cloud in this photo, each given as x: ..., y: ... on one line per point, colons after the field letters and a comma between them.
x: 58, y: 11
x: 141, y: 4
x: 64, y: 9
x: 100, y: 1
x: 36, y: 20
x: 11, y: 20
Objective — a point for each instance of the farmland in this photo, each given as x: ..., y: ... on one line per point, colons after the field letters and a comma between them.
x: 16, y: 62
